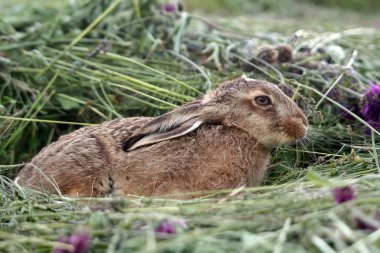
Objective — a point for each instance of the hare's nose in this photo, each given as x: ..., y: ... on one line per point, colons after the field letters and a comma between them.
x: 303, y: 119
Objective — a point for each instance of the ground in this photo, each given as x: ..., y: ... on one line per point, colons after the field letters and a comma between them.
x: 65, y: 64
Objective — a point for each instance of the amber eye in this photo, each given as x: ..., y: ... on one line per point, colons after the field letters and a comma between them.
x: 263, y: 100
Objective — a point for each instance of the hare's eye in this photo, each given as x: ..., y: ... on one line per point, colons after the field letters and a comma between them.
x: 263, y: 100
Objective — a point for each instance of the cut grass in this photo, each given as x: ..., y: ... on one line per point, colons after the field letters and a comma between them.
x: 52, y: 80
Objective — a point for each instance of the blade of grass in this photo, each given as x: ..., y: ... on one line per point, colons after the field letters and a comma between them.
x: 105, y: 13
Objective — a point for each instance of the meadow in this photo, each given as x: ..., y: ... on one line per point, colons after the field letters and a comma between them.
x: 68, y: 64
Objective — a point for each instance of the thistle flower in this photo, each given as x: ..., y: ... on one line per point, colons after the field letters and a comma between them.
x: 166, y: 227
x: 353, y: 108
x: 170, y: 7
x: 80, y: 242
x: 63, y: 239
x: 367, y: 225
x: 370, y: 106
x: 344, y: 194
x: 170, y: 226
x: 363, y: 225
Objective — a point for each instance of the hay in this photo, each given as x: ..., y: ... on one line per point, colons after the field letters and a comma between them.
x: 83, y: 62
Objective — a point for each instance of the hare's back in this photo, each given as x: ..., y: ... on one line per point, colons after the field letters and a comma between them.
x: 213, y: 157
x: 77, y: 160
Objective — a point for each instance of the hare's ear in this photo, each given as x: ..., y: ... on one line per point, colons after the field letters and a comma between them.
x: 143, y: 140
x: 171, y: 125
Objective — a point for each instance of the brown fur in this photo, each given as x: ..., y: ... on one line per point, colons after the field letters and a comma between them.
x: 225, y: 143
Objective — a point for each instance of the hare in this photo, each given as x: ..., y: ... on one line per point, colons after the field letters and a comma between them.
x: 222, y: 140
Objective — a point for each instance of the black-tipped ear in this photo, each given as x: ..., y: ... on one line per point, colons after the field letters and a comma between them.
x: 141, y: 140
x: 173, y: 124
x: 131, y: 141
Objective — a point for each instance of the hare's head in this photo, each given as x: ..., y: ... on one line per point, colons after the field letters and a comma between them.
x: 255, y: 106
x: 261, y: 109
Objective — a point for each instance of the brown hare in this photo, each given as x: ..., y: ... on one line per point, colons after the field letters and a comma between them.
x: 222, y: 140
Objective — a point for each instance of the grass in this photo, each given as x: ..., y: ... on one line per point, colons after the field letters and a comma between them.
x: 65, y: 65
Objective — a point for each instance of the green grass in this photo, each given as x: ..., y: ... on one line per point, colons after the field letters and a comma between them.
x: 50, y: 85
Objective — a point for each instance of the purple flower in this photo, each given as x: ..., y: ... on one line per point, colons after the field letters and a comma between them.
x: 170, y: 7
x: 80, y: 242
x: 353, y: 108
x: 169, y: 226
x: 344, y: 194
x: 166, y: 227
x: 370, y: 106
x: 364, y: 225
x: 63, y: 239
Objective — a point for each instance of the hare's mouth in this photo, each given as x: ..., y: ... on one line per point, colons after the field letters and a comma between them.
x: 278, y: 139
x: 294, y: 128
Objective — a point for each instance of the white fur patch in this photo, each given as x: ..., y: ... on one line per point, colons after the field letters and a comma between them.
x: 156, y: 137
